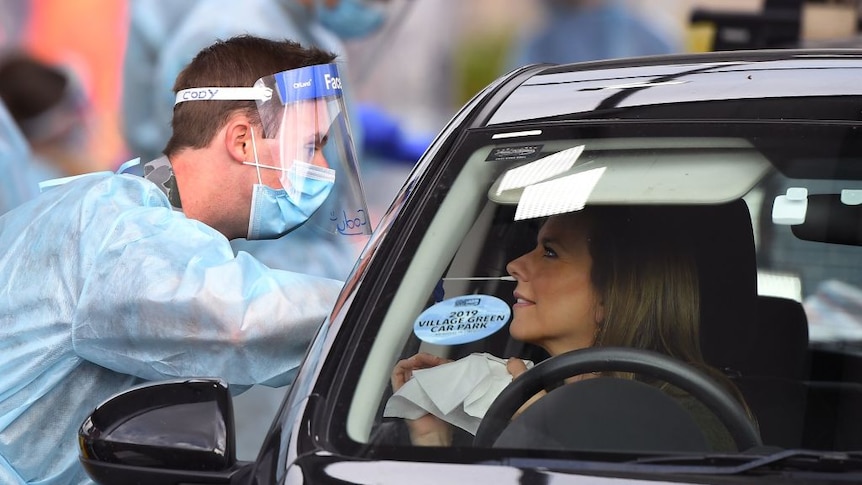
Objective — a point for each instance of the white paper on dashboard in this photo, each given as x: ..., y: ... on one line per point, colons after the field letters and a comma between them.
x: 458, y: 392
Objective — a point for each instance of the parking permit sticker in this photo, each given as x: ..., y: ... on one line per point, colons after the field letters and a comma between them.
x: 462, y: 319
x: 515, y: 153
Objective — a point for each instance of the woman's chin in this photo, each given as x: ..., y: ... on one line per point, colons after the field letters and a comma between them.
x: 517, y: 332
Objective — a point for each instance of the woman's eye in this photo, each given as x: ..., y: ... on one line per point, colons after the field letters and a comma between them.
x: 548, y: 252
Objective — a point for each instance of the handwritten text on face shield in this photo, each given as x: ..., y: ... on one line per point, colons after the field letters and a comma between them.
x: 349, y: 225
x: 207, y: 93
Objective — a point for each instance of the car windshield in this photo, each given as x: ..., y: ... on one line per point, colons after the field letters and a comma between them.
x: 731, y: 247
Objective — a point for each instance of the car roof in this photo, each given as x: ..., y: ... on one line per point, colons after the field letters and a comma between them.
x: 675, y: 87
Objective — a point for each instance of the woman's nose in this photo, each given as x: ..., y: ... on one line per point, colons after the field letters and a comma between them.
x: 515, y: 268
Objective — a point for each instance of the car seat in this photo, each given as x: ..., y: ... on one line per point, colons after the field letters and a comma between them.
x: 761, y: 343
x: 724, y: 249
x: 781, y: 340
x: 605, y: 420
x: 774, y: 377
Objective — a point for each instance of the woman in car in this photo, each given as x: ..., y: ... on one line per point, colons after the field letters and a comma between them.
x: 603, y: 276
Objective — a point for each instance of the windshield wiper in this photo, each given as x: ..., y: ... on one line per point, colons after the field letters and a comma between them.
x: 803, y: 460
x: 707, y: 464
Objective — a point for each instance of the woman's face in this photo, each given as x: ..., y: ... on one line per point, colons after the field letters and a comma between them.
x: 556, y: 306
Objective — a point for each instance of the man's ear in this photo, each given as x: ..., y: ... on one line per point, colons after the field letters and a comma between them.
x: 237, y: 139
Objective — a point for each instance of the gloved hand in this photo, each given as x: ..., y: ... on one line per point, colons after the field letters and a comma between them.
x: 383, y: 136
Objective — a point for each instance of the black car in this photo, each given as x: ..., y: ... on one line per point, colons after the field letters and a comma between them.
x: 748, y: 164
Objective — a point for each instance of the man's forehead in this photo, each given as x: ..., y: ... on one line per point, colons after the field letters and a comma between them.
x: 306, y: 117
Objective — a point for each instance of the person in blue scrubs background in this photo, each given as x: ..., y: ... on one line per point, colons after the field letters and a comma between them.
x: 19, y: 178
x: 51, y: 114
x: 590, y: 30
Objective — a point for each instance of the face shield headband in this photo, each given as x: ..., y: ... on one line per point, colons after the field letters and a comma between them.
x: 306, y: 139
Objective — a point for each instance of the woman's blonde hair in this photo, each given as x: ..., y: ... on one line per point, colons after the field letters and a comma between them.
x: 646, y: 279
x: 645, y: 276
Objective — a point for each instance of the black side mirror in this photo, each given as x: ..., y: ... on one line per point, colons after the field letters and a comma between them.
x: 179, y: 431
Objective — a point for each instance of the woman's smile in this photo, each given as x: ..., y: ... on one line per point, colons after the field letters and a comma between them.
x: 520, y: 301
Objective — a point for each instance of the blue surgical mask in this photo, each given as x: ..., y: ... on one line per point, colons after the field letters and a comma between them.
x: 274, y: 212
x: 350, y: 19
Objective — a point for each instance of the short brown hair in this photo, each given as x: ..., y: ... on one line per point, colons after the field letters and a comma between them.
x: 235, y: 62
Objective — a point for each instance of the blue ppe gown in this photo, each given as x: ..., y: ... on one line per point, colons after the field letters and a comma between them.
x: 103, y: 285
x: 163, y: 38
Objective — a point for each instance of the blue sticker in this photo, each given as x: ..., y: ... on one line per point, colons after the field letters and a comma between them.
x: 462, y: 319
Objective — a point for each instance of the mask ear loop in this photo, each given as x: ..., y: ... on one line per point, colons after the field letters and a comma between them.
x: 289, y: 180
x: 256, y: 160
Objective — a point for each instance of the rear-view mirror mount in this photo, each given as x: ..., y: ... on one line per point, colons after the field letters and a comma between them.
x: 831, y: 218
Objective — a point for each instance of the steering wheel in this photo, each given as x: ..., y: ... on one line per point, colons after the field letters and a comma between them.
x: 618, y: 359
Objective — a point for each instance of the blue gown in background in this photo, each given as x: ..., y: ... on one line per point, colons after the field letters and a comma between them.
x: 20, y: 170
x: 593, y: 31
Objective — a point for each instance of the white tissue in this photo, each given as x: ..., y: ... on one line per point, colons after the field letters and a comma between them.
x: 458, y: 392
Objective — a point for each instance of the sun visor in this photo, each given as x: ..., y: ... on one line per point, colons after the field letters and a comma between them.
x: 630, y: 171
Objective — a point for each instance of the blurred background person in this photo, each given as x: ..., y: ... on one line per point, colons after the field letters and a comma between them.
x: 11, y: 27
x: 51, y: 110
x: 589, y: 30
x: 19, y: 181
x: 150, y: 24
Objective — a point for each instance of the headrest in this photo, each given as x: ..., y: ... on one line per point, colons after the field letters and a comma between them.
x: 781, y: 340
x: 727, y: 268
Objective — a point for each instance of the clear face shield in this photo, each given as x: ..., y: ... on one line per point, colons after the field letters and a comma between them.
x: 305, y: 156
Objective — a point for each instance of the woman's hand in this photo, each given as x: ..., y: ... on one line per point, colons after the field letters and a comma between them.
x: 403, y: 371
x: 516, y: 367
x: 429, y: 430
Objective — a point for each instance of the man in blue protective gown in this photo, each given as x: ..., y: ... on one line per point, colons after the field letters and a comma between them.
x: 165, y: 36
x: 108, y: 279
